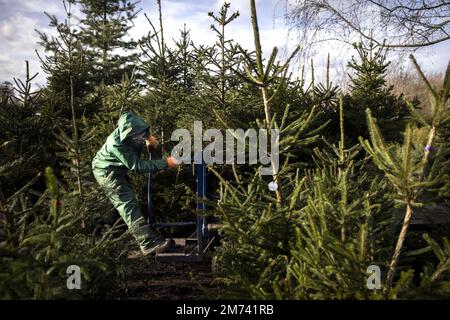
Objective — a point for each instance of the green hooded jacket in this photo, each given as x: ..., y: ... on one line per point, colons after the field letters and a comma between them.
x: 116, y: 153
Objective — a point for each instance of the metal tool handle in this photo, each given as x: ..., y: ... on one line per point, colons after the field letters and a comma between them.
x: 149, y: 195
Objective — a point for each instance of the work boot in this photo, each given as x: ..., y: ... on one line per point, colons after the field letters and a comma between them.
x: 156, y: 246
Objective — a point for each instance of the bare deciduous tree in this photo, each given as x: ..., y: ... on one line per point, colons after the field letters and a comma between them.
x: 394, y: 23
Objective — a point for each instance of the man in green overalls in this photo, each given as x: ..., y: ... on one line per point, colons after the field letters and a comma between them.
x: 120, y: 153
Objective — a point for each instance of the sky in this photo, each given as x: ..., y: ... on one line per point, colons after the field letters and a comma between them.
x: 20, y: 19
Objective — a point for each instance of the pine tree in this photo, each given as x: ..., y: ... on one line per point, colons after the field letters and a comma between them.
x: 169, y: 80
x: 411, y: 168
x: 66, y: 66
x: 326, y: 97
x: 221, y: 93
x: 220, y: 59
x: 25, y: 133
x: 341, y: 233
x: 327, y: 94
x: 39, y: 220
x: 263, y: 77
x: 161, y: 74
x: 68, y: 61
x: 259, y: 223
x: 103, y: 30
x: 42, y: 241
x: 183, y: 46
x: 368, y: 89
x: 319, y: 242
x: 255, y: 239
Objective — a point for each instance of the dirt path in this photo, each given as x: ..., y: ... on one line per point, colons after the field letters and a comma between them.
x: 148, y: 279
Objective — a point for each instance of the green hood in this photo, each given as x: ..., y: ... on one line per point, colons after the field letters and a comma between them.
x: 130, y: 124
x: 118, y: 153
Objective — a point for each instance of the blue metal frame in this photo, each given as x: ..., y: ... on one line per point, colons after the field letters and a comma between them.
x: 201, y: 222
x: 149, y: 195
x: 201, y: 194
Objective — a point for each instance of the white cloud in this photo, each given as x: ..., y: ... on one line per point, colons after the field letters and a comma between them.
x: 17, y: 46
x: 174, y: 17
x: 39, y: 6
x: 18, y: 39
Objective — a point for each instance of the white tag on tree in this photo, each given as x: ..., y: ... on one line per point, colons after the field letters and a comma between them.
x: 273, y: 186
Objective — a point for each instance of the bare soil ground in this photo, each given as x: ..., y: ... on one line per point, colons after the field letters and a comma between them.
x: 148, y: 279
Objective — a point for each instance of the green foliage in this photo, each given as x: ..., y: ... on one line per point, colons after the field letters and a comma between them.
x: 408, y: 168
x: 25, y: 136
x: 338, y: 218
x: 104, y: 27
x: 38, y: 241
x: 42, y: 241
x: 168, y: 78
x: 368, y: 90
x: 256, y: 233
x: 65, y: 65
x: 341, y: 228
x: 219, y: 89
x: 402, y: 166
x: 319, y: 242
x: 118, y: 98
x: 332, y: 216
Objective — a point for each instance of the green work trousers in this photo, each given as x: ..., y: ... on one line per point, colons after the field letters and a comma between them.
x: 117, y: 187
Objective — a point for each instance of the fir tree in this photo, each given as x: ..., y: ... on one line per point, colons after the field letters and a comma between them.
x: 161, y: 75
x: 368, y: 89
x: 68, y: 61
x: 183, y: 46
x: 169, y: 80
x: 341, y: 235
x: 39, y: 220
x: 327, y: 94
x: 103, y: 30
x: 42, y: 241
x: 263, y: 76
x: 326, y: 97
x: 223, y: 57
x: 254, y: 253
x: 411, y: 169
x: 220, y: 90
x: 25, y: 133
x: 66, y: 66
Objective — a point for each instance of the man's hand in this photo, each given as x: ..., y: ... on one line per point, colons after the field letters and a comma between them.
x: 172, y: 162
x: 151, y: 143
